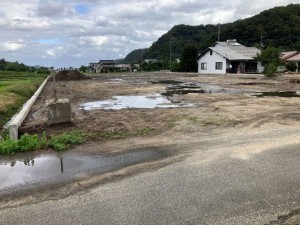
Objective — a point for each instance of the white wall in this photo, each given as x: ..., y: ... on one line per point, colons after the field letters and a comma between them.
x: 260, y: 67
x: 211, y: 63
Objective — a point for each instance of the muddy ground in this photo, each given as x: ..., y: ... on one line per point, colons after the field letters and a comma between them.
x: 233, y: 105
x: 239, y: 107
x: 206, y: 106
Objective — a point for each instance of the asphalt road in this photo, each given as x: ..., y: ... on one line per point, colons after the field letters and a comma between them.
x: 227, y: 182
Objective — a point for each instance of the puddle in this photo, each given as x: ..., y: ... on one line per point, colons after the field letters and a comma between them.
x: 188, y: 88
x: 250, y: 83
x: 248, y: 78
x: 137, y: 102
x: 297, y: 81
x: 166, y: 82
x: 51, y: 168
x: 284, y: 94
x: 115, y: 80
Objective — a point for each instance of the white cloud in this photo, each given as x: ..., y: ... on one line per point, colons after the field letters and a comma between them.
x: 93, y: 40
x: 10, y: 46
x: 107, y: 29
x: 50, y: 52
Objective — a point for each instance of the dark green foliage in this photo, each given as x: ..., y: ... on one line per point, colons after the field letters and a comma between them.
x: 34, y: 142
x: 188, y: 59
x: 42, y: 70
x: 291, y: 66
x: 270, y: 60
x: 157, y: 66
x: 135, y: 56
x: 270, y: 69
x: 65, y: 140
x: 83, y: 69
x: 15, y: 66
x: 2, y: 64
x: 278, y: 26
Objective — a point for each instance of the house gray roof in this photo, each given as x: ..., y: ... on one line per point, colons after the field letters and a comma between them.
x: 232, y: 50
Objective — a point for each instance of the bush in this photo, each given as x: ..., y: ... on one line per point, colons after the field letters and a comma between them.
x: 65, y: 140
x: 291, y: 66
x: 34, y: 142
x: 270, y: 69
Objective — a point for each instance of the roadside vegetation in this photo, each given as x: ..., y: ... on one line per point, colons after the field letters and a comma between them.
x: 15, y: 89
x: 62, y: 141
x: 34, y: 142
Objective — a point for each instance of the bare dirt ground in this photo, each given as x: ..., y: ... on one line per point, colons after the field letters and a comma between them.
x: 230, y: 110
x: 209, y: 111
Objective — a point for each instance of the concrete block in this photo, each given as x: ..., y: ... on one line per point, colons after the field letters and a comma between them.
x: 59, y: 111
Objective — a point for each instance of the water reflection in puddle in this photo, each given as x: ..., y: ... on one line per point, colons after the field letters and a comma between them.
x: 53, y: 168
x: 188, y: 88
x: 141, y: 102
x: 283, y: 94
x: 115, y: 80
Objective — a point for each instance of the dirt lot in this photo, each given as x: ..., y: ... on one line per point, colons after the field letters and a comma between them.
x: 230, y: 104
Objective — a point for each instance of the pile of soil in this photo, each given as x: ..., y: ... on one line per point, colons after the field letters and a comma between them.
x: 70, y: 75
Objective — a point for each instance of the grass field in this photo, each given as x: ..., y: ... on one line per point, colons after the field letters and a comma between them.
x: 15, y: 89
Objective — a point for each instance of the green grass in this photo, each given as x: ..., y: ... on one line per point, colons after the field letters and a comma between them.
x: 62, y: 141
x: 117, y: 134
x: 15, y: 89
x: 28, y: 142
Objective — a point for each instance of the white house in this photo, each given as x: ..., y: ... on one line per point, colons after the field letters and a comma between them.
x: 229, y: 57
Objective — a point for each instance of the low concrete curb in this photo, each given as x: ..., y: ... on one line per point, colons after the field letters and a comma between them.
x: 18, y: 120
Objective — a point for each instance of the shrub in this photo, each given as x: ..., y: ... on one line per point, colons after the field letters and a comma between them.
x: 270, y: 69
x: 65, y: 140
x: 291, y: 66
x: 29, y: 142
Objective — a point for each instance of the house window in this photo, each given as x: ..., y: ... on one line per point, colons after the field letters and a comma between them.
x: 219, y: 65
x: 210, y: 52
x: 203, y: 66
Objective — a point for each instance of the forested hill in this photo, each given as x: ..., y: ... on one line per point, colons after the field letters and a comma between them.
x: 279, y: 27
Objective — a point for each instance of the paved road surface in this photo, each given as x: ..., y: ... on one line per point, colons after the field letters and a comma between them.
x: 246, y: 179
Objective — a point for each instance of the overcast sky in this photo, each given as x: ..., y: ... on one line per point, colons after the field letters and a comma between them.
x: 65, y: 33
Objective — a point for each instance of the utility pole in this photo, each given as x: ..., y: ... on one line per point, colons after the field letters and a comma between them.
x: 261, y: 41
x: 141, y: 59
x: 219, y: 31
x: 171, y: 38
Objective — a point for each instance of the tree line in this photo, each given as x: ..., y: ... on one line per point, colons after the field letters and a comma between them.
x: 21, y: 67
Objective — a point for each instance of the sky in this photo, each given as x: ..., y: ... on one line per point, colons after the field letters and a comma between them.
x: 63, y: 33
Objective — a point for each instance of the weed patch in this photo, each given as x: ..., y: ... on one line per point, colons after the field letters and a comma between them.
x: 28, y: 142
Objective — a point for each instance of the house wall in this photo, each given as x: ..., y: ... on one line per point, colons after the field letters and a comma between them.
x: 211, y: 63
x: 260, y: 67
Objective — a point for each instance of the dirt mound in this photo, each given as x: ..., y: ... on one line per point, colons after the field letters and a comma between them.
x: 70, y: 75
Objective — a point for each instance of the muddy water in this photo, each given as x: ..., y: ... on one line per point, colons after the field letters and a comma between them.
x: 283, y: 94
x: 51, y: 168
x: 141, y: 102
x: 187, y: 88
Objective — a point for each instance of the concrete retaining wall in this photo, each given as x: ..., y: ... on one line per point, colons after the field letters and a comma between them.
x: 18, y: 120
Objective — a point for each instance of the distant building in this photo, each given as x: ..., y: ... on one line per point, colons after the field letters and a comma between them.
x: 107, y: 63
x: 292, y: 56
x: 229, y: 57
x: 101, y: 66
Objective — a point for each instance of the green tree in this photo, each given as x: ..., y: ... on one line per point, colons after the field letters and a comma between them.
x: 188, y: 59
x: 83, y: 69
x: 269, y: 58
x: 15, y: 66
x: 2, y: 64
x: 291, y: 66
